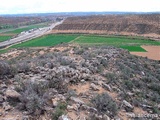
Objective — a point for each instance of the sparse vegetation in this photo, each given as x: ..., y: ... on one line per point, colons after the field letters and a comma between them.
x: 59, y: 110
x: 47, y: 79
x: 104, y: 103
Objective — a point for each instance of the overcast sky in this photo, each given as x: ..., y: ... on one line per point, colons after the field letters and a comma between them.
x: 42, y: 6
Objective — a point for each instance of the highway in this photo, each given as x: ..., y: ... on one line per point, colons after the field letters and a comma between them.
x: 25, y: 36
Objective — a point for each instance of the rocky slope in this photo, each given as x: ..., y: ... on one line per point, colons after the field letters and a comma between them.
x: 113, y: 24
x: 70, y: 82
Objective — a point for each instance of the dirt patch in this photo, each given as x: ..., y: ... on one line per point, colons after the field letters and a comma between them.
x: 153, y: 52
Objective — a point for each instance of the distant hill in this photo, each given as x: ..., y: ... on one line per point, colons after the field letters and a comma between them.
x: 137, y: 24
x: 76, y: 14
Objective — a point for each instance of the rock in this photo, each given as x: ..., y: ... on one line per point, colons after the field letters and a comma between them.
x: 3, y: 86
x: 128, y: 106
x: 105, y: 117
x: 63, y: 117
x: 6, y: 106
x: 98, y: 117
x: 48, y: 108
x: 107, y: 87
x: 92, y: 109
x: 85, y: 107
x: 159, y: 106
x: 117, y: 118
x: 12, y: 93
x: 82, y: 80
x: 77, y: 100
x: 1, y: 99
x: 55, y: 101
x: 76, y: 107
x: 25, y: 118
x: 130, y: 94
x: 69, y: 108
x: 142, y: 73
x: 94, y: 87
x: 131, y: 115
x: 73, y: 107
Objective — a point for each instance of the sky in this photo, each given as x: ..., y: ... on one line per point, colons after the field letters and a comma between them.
x: 50, y: 6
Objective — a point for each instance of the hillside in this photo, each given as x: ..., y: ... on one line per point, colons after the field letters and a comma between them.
x: 147, y: 25
x: 70, y: 82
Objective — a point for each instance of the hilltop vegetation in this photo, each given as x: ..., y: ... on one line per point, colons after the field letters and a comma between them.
x: 70, y: 81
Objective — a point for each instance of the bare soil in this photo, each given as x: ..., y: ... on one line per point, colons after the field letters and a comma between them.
x: 153, y: 52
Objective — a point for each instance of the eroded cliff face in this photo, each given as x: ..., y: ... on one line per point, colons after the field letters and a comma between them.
x: 138, y: 24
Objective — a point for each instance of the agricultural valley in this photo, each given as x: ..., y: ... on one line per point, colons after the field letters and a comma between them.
x: 86, y: 67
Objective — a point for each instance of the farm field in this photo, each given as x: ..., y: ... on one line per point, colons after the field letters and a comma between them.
x: 131, y: 44
x: 7, y: 35
x: 48, y: 40
x: 4, y: 38
x: 19, y: 30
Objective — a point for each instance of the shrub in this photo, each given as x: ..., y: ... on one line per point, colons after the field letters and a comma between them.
x: 59, y: 110
x: 58, y: 84
x: 128, y: 84
x: 111, y: 77
x: 32, y: 96
x: 104, y: 103
x: 64, y: 61
x: 155, y: 87
x: 23, y: 67
x: 5, y: 68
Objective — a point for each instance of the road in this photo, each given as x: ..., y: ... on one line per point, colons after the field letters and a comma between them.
x: 28, y: 35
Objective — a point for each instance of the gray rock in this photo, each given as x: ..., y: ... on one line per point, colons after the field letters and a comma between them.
x: 94, y: 87
x: 128, y: 106
x: 107, y: 87
x: 92, y: 109
x: 12, y: 93
x: 105, y: 117
x: 6, y: 106
x: 158, y: 106
x: 1, y: 98
x: 131, y: 115
x: 69, y: 108
x: 63, y: 117
x: 3, y: 86
x: 77, y: 100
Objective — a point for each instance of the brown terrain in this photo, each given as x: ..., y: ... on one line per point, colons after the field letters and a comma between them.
x: 71, y: 82
x: 153, y: 52
x: 141, y: 25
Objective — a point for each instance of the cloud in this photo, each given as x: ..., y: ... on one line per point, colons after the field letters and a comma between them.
x: 36, y: 6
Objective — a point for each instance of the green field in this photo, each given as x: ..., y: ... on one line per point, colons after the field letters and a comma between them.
x: 19, y: 30
x: 115, y: 41
x: 131, y: 44
x: 128, y: 43
x: 48, y: 40
x: 133, y: 48
x: 13, y: 32
x: 4, y: 38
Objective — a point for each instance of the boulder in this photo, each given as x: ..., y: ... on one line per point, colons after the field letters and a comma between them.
x: 12, y: 93
x: 128, y: 107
